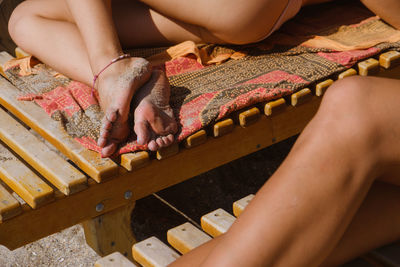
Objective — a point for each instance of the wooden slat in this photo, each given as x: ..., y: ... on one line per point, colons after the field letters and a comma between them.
x: 216, y: 222
x: 275, y: 107
x: 347, y: 73
x: 23, y: 181
x: 167, y: 152
x: 115, y: 259
x: 31, y: 114
x: 368, y: 67
x: 196, y: 139
x: 240, y: 205
x: 59, y: 172
x: 249, y: 117
x: 321, y: 87
x: 301, y: 97
x: 153, y: 253
x: 9, y: 206
x: 19, y: 53
x: 223, y: 127
x: 135, y: 160
x: 186, y: 237
x: 389, y: 59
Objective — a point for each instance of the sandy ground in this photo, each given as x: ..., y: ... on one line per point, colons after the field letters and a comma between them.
x: 66, y: 248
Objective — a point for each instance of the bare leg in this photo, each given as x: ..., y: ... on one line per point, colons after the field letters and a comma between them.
x: 300, y: 215
x: 376, y: 223
x: 47, y: 30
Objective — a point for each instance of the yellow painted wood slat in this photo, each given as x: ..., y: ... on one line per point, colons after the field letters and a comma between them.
x: 196, y: 139
x: 186, y: 237
x: 59, y: 172
x: 241, y: 204
x: 389, y: 59
x: 223, y: 127
x: 321, y: 87
x: 23, y: 181
x: 301, y: 97
x: 167, y: 152
x: 135, y: 160
x: 31, y: 114
x: 347, y: 73
x: 19, y: 53
x: 153, y: 253
x: 217, y: 222
x: 249, y: 117
x: 9, y: 206
x: 368, y: 67
x: 115, y: 259
x: 275, y: 107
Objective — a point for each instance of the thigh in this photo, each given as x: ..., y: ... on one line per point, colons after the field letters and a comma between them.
x: 138, y: 25
x: 50, y: 9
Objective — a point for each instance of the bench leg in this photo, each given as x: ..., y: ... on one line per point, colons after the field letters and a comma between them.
x: 111, y: 232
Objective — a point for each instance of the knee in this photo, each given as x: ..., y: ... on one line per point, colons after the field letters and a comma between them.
x: 344, y: 114
x: 19, y: 21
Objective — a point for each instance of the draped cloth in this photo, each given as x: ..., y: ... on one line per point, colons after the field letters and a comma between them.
x: 209, y: 82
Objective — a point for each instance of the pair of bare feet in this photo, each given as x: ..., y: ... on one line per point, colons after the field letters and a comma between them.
x: 154, y: 122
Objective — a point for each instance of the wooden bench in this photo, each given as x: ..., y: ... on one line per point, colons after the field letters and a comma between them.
x: 43, y: 192
x: 152, y: 252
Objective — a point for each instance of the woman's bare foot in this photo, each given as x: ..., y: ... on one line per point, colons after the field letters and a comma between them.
x: 155, y: 123
x: 116, y: 87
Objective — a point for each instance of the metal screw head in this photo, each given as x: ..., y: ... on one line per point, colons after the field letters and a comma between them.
x: 128, y: 194
x: 99, y: 207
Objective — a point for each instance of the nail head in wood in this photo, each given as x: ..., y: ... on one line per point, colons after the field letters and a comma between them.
x: 217, y: 222
x: 186, y: 237
x: 115, y: 259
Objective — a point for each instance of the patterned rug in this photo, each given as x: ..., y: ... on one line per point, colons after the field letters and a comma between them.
x: 211, y: 81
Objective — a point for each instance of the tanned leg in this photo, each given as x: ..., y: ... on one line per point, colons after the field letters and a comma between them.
x: 301, y: 214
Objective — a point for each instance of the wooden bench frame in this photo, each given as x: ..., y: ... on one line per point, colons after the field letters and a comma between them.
x: 105, y: 206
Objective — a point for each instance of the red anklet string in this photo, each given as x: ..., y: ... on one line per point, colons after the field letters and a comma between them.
x: 108, y: 65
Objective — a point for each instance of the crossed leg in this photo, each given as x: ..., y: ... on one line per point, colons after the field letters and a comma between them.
x: 319, y: 204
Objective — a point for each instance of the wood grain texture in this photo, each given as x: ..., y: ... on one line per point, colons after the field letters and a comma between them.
x: 56, y: 170
x: 115, y: 259
x: 31, y: 114
x: 153, y: 253
x: 9, y: 206
x: 186, y: 237
x: 217, y: 222
x: 111, y: 232
x: 22, y: 180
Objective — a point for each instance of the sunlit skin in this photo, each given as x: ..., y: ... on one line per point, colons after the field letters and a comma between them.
x: 333, y: 198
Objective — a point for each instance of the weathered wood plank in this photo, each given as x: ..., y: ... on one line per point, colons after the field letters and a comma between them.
x: 9, y: 206
x: 135, y: 160
x: 186, y: 237
x: 23, y: 181
x: 368, y: 67
x: 241, y: 204
x: 31, y: 114
x: 196, y: 139
x: 389, y: 59
x: 115, y: 259
x: 216, y: 222
x: 59, y: 172
x: 153, y: 253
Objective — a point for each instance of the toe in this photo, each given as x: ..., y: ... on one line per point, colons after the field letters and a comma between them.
x: 152, y: 145
x: 168, y: 139
x: 108, y: 150
x: 160, y: 142
x: 142, y: 132
x: 111, y: 115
